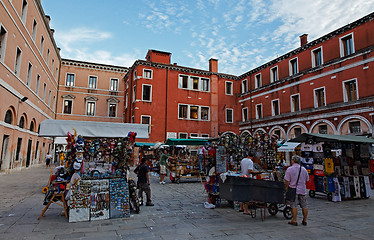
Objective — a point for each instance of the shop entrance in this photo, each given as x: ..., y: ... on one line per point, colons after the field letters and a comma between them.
x: 28, y: 157
x: 4, y: 150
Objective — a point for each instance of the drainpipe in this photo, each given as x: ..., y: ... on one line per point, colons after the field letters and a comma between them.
x: 166, y: 103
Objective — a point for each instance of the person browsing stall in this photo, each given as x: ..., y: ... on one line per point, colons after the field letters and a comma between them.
x: 296, y: 177
x: 143, y: 181
x: 246, y: 168
x: 163, y: 159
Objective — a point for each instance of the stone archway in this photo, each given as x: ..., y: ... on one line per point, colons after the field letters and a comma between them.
x: 291, y: 132
x: 344, y: 127
x: 330, y: 127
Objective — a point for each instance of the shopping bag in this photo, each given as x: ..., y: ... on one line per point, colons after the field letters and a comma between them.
x: 291, y: 194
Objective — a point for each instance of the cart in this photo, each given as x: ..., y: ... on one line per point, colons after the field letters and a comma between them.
x: 261, y: 194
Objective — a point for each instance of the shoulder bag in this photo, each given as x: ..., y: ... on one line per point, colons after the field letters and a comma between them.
x: 291, y: 192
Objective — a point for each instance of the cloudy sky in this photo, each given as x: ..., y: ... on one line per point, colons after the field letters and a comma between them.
x: 241, y: 34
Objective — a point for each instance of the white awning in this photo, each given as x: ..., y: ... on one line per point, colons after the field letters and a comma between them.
x: 288, y: 147
x: 61, y: 140
x: 60, y: 128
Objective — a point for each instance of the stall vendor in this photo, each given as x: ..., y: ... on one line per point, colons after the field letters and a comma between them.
x: 163, y: 159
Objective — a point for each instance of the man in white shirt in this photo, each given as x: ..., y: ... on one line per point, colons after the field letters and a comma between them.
x: 246, y: 167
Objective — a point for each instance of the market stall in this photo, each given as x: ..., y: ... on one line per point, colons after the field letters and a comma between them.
x: 339, y: 165
x: 182, y: 163
x: 102, y: 152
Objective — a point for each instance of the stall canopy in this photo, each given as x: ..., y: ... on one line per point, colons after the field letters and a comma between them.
x: 60, y: 128
x: 288, y: 147
x: 177, y: 141
x: 144, y: 144
x: 313, y: 137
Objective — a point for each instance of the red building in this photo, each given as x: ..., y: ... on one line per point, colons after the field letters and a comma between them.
x: 324, y: 86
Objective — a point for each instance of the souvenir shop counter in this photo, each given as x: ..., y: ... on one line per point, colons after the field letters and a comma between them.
x: 98, y: 199
x: 183, y: 168
x: 235, y: 188
x: 339, y: 166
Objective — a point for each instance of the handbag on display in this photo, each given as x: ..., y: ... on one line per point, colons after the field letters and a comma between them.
x: 291, y: 192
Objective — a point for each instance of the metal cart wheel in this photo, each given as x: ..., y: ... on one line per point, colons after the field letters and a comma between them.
x: 312, y: 193
x: 287, y: 212
x: 329, y: 196
x: 273, y: 209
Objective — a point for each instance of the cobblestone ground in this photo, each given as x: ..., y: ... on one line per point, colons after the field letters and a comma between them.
x: 178, y: 214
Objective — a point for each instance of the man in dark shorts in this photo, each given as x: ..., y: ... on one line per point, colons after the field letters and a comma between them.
x: 143, y: 182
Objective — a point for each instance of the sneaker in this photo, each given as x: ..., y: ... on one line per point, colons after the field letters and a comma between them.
x: 163, y: 182
x: 149, y: 204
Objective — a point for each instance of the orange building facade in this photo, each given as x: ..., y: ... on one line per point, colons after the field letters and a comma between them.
x: 324, y: 86
x: 29, y: 72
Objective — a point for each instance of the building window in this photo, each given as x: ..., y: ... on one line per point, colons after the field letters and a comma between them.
x: 34, y: 28
x: 135, y: 75
x: 295, y: 103
x: 126, y: 100
x: 17, y: 66
x: 90, y: 109
x: 319, y: 97
x: 183, y: 135
x: 293, y: 67
x: 194, y: 112
x: 53, y: 65
x: 48, y: 54
x: 32, y: 126
x: 355, y: 127
x: 194, y: 135
x: 3, y: 37
x: 19, y: 143
x: 205, y: 135
x: 8, y: 117
x: 322, y: 129
x: 204, y: 113
x: 183, y: 81
x: 183, y: 111
x: 112, y: 110
x: 346, y: 45
x: 274, y: 74
x: 37, y: 84
x: 245, y: 114
x: 132, y: 119
x: 70, y: 79
x: 24, y: 11
x: 49, y: 98
x: 297, y: 131
x: 205, y: 84
x: 146, y: 120
x: 229, y: 115
x: 350, y: 90
x: 147, y: 73
x: 317, y: 58
x: 229, y: 89
x: 114, y: 84
x: 244, y: 86
x: 275, y: 107
x: 134, y: 94
x: 258, y: 111
x: 147, y: 93
x: 195, y: 83
x: 258, y: 81
x: 54, y: 103
x: 21, y: 123
x: 44, y: 90
x: 42, y: 45
x: 92, y: 82
x: 29, y: 74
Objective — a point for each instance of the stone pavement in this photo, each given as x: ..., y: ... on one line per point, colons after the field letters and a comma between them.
x: 178, y: 214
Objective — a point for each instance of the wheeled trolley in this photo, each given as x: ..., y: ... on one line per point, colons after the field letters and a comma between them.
x: 261, y: 194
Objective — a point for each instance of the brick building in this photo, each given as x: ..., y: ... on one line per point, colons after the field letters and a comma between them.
x: 324, y: 86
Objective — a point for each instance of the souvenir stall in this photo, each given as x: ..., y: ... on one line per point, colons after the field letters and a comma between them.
x: 339, y: 166
x: 148, y: 151
x: 182, y: 164
x: 102, y: 151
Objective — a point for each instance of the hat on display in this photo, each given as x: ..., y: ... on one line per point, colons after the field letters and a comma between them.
x: 77, y: 166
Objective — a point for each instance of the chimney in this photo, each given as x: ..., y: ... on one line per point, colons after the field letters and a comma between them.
x: 213, y: 65
x: 303, y: 39
x: 48, y: 19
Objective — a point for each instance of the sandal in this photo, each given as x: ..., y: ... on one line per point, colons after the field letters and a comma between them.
x: 241, y: 210
x: 292, y: 223
x: 304, y: 223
